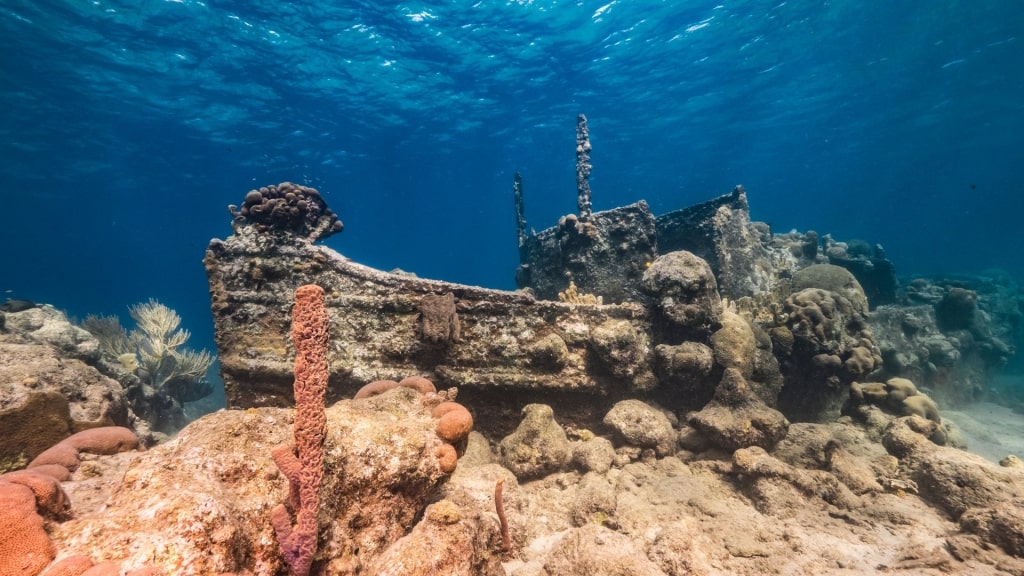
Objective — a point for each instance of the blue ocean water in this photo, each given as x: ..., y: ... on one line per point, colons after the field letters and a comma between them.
x: 129, y: 126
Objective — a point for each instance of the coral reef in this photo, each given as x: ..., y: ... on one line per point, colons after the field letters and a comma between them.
x: 200, y: 504
x: 831, y: 347
x: 832, y: 279
x: 618, y: 415
x: 572, y: 295
x: 25, y: 549
x: 605, y: 420
x: 951, y: 336
x: 869, y: 264
x: 686, y: 292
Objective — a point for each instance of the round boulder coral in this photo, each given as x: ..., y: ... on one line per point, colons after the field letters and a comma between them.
x: 734, y: 344
x: 685, y: 287
x: 833, y: 279
x: 288, y: 207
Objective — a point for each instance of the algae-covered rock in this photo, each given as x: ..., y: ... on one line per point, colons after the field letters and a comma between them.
x: 685, y: 289
x: 642, y: 426
x: 736, y: 418
x: 593, y: 455
x: 686, y: 370
x: 538, y: 446
x: 624, y: 351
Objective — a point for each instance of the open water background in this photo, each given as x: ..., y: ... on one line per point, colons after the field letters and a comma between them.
x: 127, y: 127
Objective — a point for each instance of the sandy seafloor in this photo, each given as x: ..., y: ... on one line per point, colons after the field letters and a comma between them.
x: 991, y: 430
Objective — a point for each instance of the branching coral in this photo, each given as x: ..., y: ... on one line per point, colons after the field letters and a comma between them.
x: 158, y: 339
x: 572, y: 295
x: 154, y: 350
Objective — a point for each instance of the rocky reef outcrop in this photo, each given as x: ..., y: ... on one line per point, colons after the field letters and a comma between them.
x: 952, y: 335
x: 49, y: 388
x: 201, y: 503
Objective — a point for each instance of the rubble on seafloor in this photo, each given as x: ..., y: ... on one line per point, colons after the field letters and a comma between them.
x: 684, y: 394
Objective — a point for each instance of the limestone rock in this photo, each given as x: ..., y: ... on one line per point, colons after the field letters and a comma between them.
x: 624, y: 351
x: 45, y: 397
x: 47, y: 325
x: 594, y: 502
x: 593, y: 550
x: 449, y: 540
x: 643, y: 426
x: 199, y: 504
x: 856, y: 473
x: 768, y: 474
x: 594, y: 455
x: 737, y: 418
x: 1003, y: 525
x: 957, y: 481
x: 538, y: 446
x: 685, y: 371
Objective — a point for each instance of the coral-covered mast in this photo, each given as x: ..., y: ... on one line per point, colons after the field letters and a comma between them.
x: 582, y: 167
x: 517, y: 192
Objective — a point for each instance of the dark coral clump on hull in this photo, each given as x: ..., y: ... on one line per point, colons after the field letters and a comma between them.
x: 288, y: 207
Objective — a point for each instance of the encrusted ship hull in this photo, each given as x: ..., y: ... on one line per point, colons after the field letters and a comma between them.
x: 388, y: 326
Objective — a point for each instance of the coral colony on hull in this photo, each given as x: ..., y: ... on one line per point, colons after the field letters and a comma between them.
x: 686, y: 393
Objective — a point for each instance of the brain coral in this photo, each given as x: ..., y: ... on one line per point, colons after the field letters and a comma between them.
x: 288, y: 207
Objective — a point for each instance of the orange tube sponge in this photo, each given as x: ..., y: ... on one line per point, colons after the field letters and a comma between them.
x: 310, y: 326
